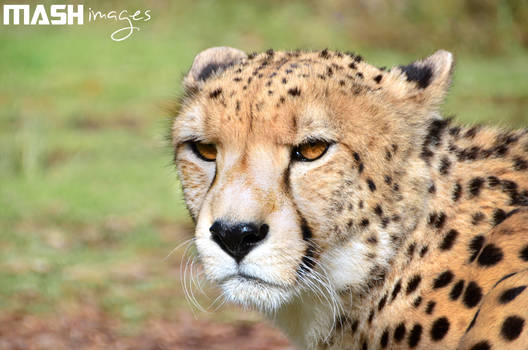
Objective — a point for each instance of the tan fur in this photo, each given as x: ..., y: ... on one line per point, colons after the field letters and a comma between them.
x: 398, y: 199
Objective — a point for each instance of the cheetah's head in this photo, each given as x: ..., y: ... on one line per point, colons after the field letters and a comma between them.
x: 294, y: 167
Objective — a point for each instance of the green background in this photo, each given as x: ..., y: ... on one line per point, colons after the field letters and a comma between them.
x: 89, y: 200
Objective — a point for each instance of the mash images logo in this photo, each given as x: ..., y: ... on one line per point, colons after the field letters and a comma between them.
x: 62, y: 14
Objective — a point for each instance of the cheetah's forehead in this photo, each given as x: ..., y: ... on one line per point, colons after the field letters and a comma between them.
x: 280, y: 96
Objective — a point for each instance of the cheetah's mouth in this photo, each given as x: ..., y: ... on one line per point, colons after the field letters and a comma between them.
x: 243, y: 277
x: 254, y: 292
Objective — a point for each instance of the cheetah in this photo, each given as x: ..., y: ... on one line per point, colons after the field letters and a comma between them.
x: 333, y: 197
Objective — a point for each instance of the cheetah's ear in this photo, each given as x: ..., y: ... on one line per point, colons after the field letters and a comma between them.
x: 210, y: 62
x: 426, y: 81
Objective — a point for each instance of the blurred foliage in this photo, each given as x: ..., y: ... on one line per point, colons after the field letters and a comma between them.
x: 89, y: 201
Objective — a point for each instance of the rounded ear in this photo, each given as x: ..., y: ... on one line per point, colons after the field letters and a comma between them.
x: 211, y: 62
x: 427, y: 80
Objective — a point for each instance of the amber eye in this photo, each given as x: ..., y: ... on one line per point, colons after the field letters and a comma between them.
x: 310, y: 151
x: 204, y: 151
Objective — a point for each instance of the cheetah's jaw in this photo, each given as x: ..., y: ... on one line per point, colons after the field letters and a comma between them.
x: 253, y: 292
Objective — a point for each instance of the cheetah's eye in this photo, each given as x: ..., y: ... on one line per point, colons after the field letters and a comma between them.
x: 310, y: 151
x: 204, y: 151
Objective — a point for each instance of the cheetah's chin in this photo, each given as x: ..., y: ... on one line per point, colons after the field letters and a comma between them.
x: 252, y: 292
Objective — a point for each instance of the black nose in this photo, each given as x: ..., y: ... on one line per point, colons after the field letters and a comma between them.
x: 238, y: 239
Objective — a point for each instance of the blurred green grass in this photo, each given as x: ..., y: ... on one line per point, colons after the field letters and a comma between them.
x: 89, y: 200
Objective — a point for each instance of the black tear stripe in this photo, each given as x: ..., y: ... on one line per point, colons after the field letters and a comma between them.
x: 307, y: 261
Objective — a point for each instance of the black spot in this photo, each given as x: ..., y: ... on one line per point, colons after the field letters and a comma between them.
x: 388, y: 155
x: 493, y: 181
x: 396, y: 290
x: 437, y: 219
x: 445, y: 164
x: 252, y: 55
x: 388, y: 179
x: 491, y: 255
x: 477, y: 218
x: 354, y: 326
x: 324, y: 54
x: 499, y: 216
x: 377, y: 78
x: 382, y: 302
x: 481, y: 345
x: 371, y: 185
x: 378, y: 210
x: 439, y: 329
x: 430, y: 307
x: 358, y: 58
x: 215, y: 93
x: 511, y: 294
x: 520, y: 164
x: 456, y: 291
x: 523, y: 254
x: 294, y: 91
x: 417, y: 302
x: 413, y: 284
x: 371, y: 316
x: 361, y: 167
x: 512, y: 327
x: 415, y: 335
x: 440, y: 220
x: 365, y: 345
x: 352, y: 65
x: 384, y: 341
x: 472, y: 323
x: 399, y: 332
x: 284, y: 81
x: 373, y: 240
x: 410, y: 250
x: 471, y: 132
x: 472, y: 295
x: 364, y: 222
x: 432, y: 188
x: 475, y: 185
x: 449, y: 240
x: 421, y: 75
x: 475, y: 246
x: 359, y: 75
x: 443, y: 279
x: 423, y: 251
x: 454, y: 131
x: 457, y: 192
x: 500, y: 150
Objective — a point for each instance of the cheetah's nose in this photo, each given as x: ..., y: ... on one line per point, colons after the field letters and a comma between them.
x: 238, y: 239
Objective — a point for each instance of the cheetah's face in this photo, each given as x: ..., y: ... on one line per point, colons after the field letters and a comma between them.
x: 271, y: 159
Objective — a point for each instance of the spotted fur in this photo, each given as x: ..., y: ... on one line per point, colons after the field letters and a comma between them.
x: 410, y: 232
